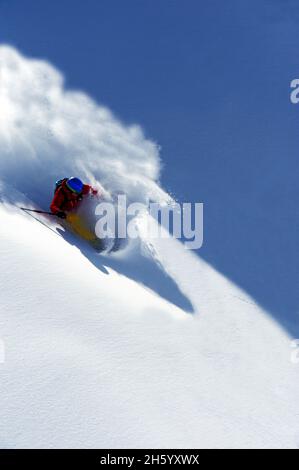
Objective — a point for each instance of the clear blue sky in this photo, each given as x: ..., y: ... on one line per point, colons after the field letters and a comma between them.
x: 188, y: 71
x: 209, y: 81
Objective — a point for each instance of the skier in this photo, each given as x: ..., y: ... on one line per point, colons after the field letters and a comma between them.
x: 68, y: 194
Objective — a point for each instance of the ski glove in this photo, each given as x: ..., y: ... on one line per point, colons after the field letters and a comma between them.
x: 61, y: 214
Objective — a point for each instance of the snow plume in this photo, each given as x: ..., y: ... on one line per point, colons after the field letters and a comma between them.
x: 48, y: 132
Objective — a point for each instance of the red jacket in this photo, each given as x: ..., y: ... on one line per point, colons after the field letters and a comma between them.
x: 65, y: 200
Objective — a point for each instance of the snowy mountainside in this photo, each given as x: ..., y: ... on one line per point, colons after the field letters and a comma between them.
x: 148, y: 347
x: 97, y: 357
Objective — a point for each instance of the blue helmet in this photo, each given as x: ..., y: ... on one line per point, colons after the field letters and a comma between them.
x: 75, y: 185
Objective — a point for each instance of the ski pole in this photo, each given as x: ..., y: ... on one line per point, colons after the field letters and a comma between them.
x: 37, y: 211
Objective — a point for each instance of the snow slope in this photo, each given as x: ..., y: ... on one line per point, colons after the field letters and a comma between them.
x: 150, y: 347
x: 96, y: 358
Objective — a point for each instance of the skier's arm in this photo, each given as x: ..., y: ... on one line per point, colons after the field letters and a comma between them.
x: 89, y: 189
x: 57, y: 202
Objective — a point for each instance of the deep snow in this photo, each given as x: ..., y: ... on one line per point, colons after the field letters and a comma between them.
x: 98, y: 358
x: 150, y: 347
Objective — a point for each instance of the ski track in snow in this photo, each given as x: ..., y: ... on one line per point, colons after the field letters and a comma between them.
x: 149, y: 347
